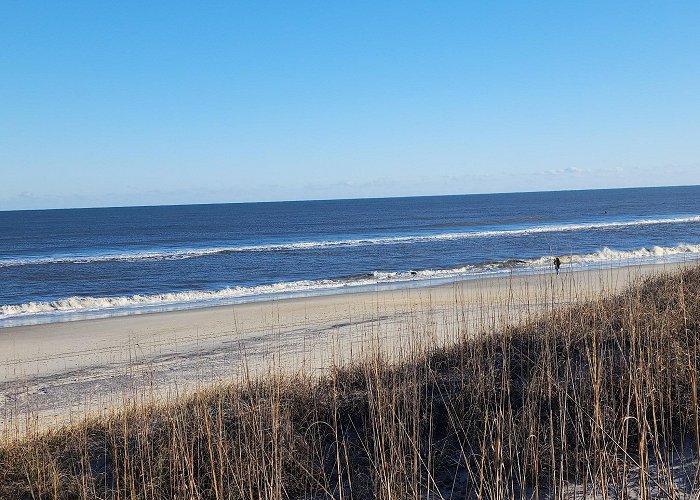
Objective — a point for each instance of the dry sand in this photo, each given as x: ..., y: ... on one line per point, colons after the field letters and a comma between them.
x: 59, y: 371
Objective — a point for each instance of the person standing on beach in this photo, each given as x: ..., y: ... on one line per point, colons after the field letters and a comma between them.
x: 557, y: 264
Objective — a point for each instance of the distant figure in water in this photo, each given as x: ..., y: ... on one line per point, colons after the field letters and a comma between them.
x: 557, y: 264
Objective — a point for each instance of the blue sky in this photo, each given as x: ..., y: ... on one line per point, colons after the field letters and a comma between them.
x: 130, y: 103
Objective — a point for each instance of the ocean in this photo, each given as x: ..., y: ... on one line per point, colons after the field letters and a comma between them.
x: 62, y: 265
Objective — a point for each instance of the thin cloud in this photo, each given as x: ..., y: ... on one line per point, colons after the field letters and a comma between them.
x: 568, y: 171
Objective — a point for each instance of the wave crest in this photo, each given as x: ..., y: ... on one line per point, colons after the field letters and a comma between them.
x: 191, y: 253
x: 189, y: 298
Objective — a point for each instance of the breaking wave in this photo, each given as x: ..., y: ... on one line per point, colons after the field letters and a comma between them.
x: 607, y: 254
x: 178, y: 254
x: 193, y: 298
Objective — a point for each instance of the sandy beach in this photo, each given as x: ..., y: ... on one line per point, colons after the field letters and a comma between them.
x: 59, y: 371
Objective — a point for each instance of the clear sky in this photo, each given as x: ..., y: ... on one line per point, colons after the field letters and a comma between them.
x: 130, y: 103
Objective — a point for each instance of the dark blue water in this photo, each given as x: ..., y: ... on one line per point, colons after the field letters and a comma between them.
x: 66, y: 264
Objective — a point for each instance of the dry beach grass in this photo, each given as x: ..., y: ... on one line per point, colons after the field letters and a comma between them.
x: 576, y: 399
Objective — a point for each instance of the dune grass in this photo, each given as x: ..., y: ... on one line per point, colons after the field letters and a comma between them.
x: 594, y: 399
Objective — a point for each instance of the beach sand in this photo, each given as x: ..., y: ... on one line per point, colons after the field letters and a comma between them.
x: 57, y: 372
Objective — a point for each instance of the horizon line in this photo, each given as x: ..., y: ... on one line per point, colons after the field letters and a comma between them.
x: 487, y: 193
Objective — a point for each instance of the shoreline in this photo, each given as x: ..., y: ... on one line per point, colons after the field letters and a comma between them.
x: 62, y: 370
x: 79, y: 308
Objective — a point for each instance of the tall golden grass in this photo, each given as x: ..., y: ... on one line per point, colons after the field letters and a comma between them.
x: 595, y: 399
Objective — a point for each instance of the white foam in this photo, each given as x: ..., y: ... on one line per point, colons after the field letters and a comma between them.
x: 72, y: 304
x: 607, y: 254
x: 192, y: 298
x: 354, y: 242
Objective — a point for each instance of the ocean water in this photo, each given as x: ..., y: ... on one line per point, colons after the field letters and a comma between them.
x: 59, y: 265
